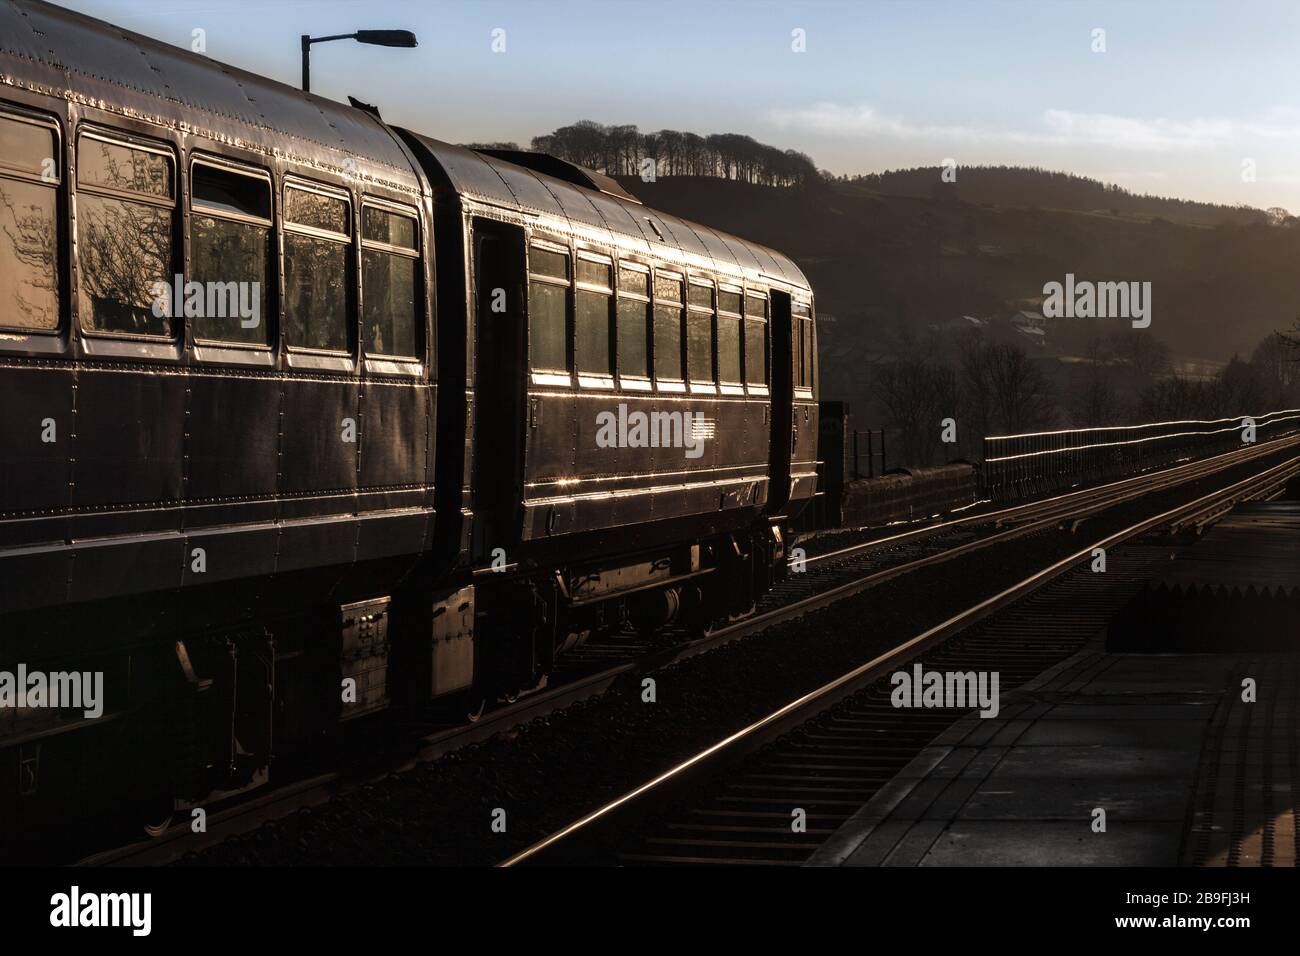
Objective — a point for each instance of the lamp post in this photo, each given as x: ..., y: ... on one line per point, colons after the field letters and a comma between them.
x: 401, y: 38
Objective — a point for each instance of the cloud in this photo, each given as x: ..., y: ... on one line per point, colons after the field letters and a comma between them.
x: 1124, y: 132
x: 833, y: 119
x: 1057, y: 128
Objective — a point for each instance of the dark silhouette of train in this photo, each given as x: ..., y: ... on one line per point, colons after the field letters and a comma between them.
x: 308, y: 417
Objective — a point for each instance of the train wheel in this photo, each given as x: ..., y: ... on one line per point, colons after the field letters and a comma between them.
x: 475, y: 712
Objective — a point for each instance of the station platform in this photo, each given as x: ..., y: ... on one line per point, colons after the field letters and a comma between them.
x: 1187, y: 772
x: 1177, y: 727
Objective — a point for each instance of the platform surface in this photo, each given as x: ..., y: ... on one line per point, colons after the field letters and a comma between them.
x: 1186, y: 771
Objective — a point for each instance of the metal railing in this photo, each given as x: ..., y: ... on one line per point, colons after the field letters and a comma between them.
x: 1017, y: 466
x: 868, y: 453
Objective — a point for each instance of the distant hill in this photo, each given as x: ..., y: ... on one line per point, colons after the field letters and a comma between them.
x: 1022, y: 187
x: 889, y: 266
x: 903, y: 262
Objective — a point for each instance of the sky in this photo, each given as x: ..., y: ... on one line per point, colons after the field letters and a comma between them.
x: 1190, y: 98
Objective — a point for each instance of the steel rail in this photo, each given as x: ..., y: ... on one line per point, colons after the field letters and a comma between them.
x: 591, y: 826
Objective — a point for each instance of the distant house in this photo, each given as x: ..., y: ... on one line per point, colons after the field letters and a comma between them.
x: 959, y: 324
x: 1031, y: 325
x: 1029, y: 320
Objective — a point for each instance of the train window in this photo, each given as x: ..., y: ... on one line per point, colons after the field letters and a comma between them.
x: 805, y: 327
x: 755, y: 340
x: 729, y: 301
x: 633, y: 353
x: 125, y: 207
x: 546, y: 262
x: 730, y: 344
x: 230, y: 243
x: 668, y: 287
x: 594, y: 273
x: 633, y: 323
x: 796, y: 352
x: 591, y: 318
x: 701, y: 295
x: 548, y: 293
x: 668, y: 328
x: 699, y: 346
x: 699, y: 332
x: 394, y: 229
x: 307, y: 207
x: 124, y: 168
x: 29, y: 229
x: 390, y: 259
x: 633, y: 281
x: 802, y: 315
x: 729, y: 349
x: 317, y: 244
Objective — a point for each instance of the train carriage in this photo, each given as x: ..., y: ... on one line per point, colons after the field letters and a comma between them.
x: 587, y: 311
x: 308, y: 417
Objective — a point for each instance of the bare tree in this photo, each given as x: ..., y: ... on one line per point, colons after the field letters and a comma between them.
x: 1141, y: 350
x: 918, y: 395
x: 617, y: 150
x: 1004, y: 391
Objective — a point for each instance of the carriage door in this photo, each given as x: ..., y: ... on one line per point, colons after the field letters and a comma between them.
x: 499, y: 368
x: 783, y: 425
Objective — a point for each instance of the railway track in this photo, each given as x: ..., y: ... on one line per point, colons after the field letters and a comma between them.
x: 825, y: 754
x: 829, y: 577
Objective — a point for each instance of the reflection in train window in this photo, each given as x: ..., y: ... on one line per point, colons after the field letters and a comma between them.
x: 755, y: 340
x: 729, y: 349
x: 591, y: 345
x: 317, y: 290
x: 699, y: 345
x: 804, y: 327
x: 389, y: 260
x: 548, y: 294
x: 633, y: 323
x: 112, y: 165
x: 699, y: 332
x: 29, y: 231
x: 230, y: 242
x: 668, y: 328
x: 389, y: 228
x: 125, y: 204
x: 802, y: 314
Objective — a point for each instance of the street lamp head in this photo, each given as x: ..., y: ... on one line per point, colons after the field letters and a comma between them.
x: 403, y: 38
